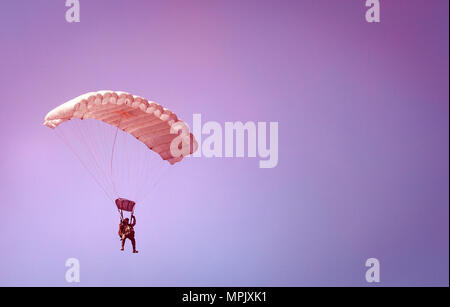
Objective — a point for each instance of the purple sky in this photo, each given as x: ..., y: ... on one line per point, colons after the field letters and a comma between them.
x: 363, y: 142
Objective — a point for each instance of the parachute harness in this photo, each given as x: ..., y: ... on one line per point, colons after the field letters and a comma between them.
x: 121, y: 214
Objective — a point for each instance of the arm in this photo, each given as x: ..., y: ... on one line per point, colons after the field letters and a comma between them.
x: 133, y: 220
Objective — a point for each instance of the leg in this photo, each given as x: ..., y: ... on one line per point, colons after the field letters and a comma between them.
x: 133, y: 242
x: 123, y: 243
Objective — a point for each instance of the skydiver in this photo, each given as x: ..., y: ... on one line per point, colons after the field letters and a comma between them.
x: 126, y: 231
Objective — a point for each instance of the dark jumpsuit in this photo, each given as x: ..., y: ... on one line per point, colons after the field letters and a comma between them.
x: 128, y: 233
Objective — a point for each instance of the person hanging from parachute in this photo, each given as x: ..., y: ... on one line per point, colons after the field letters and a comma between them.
x: 126, y: 229
x: 149, y: 123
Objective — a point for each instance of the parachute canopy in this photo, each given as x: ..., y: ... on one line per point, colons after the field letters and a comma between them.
x: 147, y: 121
x: 111, y: 132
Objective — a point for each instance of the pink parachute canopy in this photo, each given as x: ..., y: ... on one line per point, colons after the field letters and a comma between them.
x: 149, y: 122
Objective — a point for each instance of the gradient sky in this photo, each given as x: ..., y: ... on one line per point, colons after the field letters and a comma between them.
x: 363, y: 142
